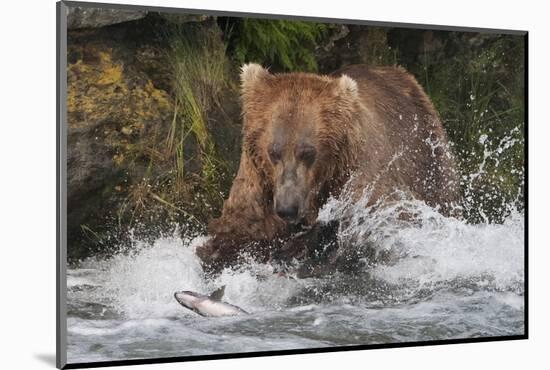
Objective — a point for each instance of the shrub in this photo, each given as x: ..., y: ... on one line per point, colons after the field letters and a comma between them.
x: 279, y: 44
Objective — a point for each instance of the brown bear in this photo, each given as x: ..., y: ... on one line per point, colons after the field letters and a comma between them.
x: 306, y: 135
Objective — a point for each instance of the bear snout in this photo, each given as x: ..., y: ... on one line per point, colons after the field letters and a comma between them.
x: 289, y: 213
x: 288, y: 206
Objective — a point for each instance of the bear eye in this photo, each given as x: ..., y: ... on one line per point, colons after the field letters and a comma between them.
x: 306, y: 154
x: 274, y: 153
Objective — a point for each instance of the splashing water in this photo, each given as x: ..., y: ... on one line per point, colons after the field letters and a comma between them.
x: 445, y: 279
x: 424, y: 277
x: 427, y: 248
x: 482, y: 187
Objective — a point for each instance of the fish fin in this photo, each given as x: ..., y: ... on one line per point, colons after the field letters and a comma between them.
x: 217, y: 294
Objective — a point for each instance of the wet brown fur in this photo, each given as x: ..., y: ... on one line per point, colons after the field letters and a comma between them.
x: 378, y: 127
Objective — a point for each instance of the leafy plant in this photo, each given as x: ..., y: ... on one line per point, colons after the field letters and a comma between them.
x: 280, y: 44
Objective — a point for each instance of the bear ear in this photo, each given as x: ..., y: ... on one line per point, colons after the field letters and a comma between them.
x: 347, y: 85
x: 251, y: 73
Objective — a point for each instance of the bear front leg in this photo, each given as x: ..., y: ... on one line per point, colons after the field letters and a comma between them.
x: 247, y: 224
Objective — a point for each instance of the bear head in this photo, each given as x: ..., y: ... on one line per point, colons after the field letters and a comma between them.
x: 301, y: 133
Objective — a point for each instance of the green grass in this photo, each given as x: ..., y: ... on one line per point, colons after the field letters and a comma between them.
x: 199, y: 70
x: 183, y: 174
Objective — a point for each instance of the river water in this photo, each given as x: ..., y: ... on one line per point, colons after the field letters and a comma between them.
x: 445, y: 279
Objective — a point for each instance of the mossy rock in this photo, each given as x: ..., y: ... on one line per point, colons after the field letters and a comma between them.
x: 121, y: 107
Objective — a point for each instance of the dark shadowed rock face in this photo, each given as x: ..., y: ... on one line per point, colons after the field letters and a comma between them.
x: 80, y: 17
x: 96, y: 17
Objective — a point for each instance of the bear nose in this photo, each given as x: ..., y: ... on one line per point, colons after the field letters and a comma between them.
x: 288, y: 213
